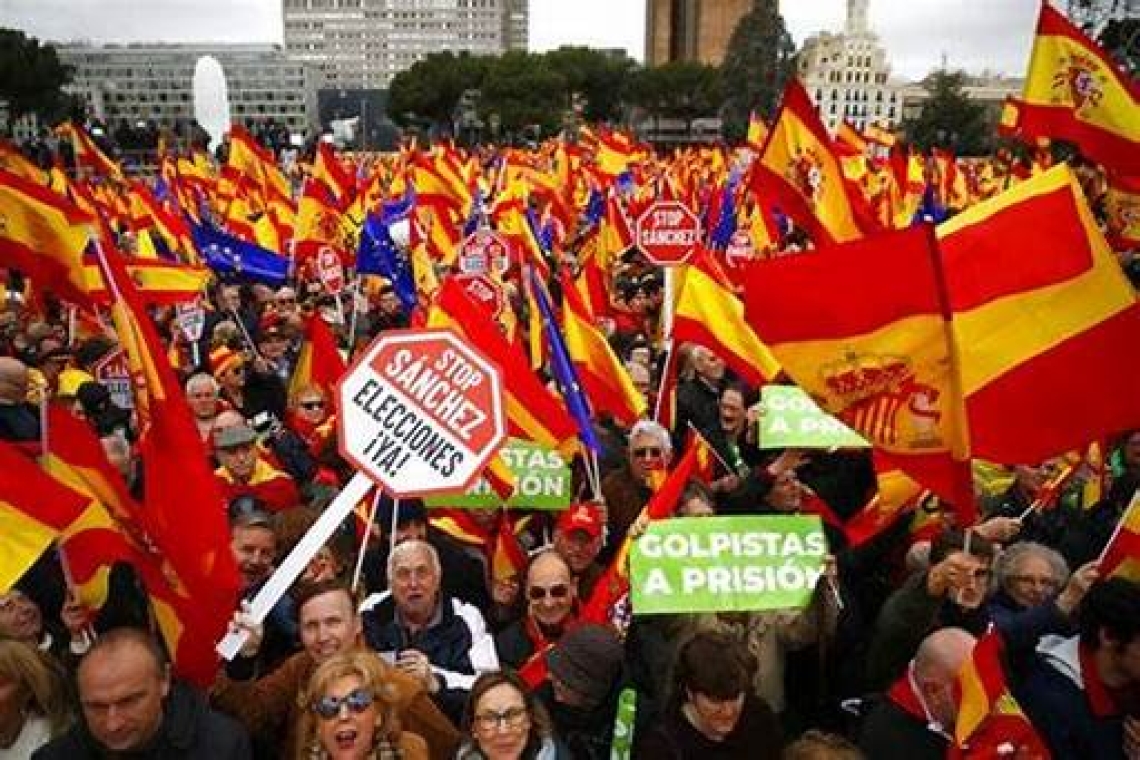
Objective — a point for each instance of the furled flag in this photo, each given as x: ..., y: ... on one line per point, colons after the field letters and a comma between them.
x: 87, y: 154
x: 1073, y: 91
x: 800, y: 169
x: 379, y: 254
x: 562, y: 367
x: 1035, y: 292
x: 863, y: 328
x: 606, y: 381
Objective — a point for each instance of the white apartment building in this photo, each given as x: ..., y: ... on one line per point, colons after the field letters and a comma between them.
x: 148, y: 82
x: 848, y: 74
x: 364, y: 43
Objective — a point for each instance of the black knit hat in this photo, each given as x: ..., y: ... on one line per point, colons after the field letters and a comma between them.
x: 588, y: 659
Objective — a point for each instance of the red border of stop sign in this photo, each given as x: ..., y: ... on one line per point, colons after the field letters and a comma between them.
x: 496, y: 415
x: 669, y: 254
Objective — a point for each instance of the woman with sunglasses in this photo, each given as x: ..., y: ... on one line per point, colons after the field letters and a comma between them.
x: 310, y: 417
x: 505, y: 722
x: 551, y: 598
x: 351, y: 715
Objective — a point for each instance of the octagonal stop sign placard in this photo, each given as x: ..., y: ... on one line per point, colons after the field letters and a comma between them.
x: 421, y: 412
x: 668, y: 232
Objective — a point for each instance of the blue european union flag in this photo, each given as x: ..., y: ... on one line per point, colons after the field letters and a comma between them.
x: 228, y: 255
x: 595, y: 207
x: 930, y: 210
x: 563, y: 369
x: 379, y: 254
x: 725, y: 226
x: 399, y: 208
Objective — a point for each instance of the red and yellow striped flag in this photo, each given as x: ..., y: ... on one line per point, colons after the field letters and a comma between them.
x: 988, y: 715
x: 863, y: 327
x: 1073, y: 91
x: 1041, y: 313
x: 43, y: 235
x: 711, y: 315
x: 1121, y: 557
x: 35, y: 509
x: 799, y: 167
x: 1122, y: 211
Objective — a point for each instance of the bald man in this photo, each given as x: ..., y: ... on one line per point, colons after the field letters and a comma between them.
x: 916, y: 718
x: 132, y: 707
x: 551, y: 598
x: 19, y: 420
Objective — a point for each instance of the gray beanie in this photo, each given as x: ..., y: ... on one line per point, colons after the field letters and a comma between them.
x: 588, y: 659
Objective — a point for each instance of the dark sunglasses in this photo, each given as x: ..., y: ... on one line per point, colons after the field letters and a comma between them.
x: 312, y: 405
x: 558, y: 591
x: 651, y: 452
x: 357, y: 701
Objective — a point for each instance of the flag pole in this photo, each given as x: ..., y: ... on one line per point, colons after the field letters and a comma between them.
x: 1119, y: 526
x: 366, y: 534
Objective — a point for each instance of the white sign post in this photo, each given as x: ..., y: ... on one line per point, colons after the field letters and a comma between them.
x: 422, y: 412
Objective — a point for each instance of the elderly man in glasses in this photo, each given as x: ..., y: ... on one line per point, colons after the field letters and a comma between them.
x: 551, y: 602
x: 627, y: 490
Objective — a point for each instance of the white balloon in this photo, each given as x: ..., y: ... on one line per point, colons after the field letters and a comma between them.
x: 211, y: 99
x: 401, y: 232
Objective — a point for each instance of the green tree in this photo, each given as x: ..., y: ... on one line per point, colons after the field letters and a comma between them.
x: 523, y: 90
x: 32, y: 78
x: 427, y: 93
x: 677, y: 90
x: 1121, y: 38
x: 949, y: 119
x: 758, y: 62
x: 597, y: 78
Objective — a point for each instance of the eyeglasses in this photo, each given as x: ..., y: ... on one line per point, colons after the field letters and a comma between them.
x: 557, y: 591
x: 312, y: 405
x: 357, y: 701
x: 286, y: 300
x: 649, y: 452
x: 1033, y: 580
x: 489, y: 720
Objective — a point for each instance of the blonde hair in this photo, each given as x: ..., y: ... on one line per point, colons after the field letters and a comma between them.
x: 39, y: 685
x: 366, y: 666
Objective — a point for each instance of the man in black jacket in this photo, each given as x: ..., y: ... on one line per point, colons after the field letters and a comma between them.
x: 131, y: 707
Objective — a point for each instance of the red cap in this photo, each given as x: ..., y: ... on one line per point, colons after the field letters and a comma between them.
x: 585, y: 517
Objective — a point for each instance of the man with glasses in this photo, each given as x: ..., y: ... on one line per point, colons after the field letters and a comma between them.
x: 440, y: 641
x: 551, y: 601
x: 329, y: 625
x: 628, y: 489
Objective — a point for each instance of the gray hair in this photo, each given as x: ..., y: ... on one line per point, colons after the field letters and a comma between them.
x: 204, y: 380
x: 408, y: 547
x: 654, y: 430
x: 1010, y: 560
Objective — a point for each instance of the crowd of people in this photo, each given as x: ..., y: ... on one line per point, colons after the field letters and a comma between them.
x: 500, y: 633
x: 423, y: 659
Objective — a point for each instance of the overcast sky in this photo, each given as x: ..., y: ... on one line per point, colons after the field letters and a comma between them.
x: 972, y: 34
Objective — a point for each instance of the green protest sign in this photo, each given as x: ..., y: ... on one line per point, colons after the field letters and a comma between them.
x: 792, y: 420
x: 542, y: 478
x: 727, y: 564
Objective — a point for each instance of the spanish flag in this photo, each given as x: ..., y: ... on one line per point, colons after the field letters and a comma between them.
x: 1122, y: 209
x: 328, y: 170
x: 533, y: 412
x: 1121, y: 557
x: 757, y: 132
x: 863, y: 327
x: 1044, y: 320
x: 319, y: 362
x: 849, y: 141
x: 710, y: 314
x: 43, y: 235
x: 604, y: 378
x: 35, y: 509
x: 988, y: 714
x: 1073, y: 91
x: 158, y: 282
x: 258, y: 166
x: 896, y: 495
x: 12, y: 160
x: 87, y: 153
x: 801, y: 170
